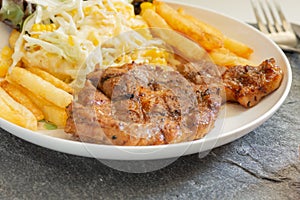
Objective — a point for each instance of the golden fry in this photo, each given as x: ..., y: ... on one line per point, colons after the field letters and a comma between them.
x: 204, y: 26
x: 10, y: 115
x: 224, y: 57
x: 205, y: 34
x: 56, y: 115
x: 187, y: 48
x: 40, y: 87
x: 15, y: 112
x: 187, y: 27
x: 16, y: 93
x: 238, y: 48
x: 51, y: 79
x: 5, y: 60
x: 14, y: 35
x: 52, y: 113
x: 154, y: 20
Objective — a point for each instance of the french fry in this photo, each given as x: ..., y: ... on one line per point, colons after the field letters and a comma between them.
x: 40, y: 87
x: 51, y: 79
x: 10, y: 115
x: 5, y: 60
x: 238, y: 48
x: 204, y: 26
x: 224, y: 57
x: 13, y: 37
x: 208, y: 36
x: 16, y: 93
x: 187, y: 48
x: 184, y: 25
x: 56, y: 115
x: 52, y: 113
x: 15, y: 112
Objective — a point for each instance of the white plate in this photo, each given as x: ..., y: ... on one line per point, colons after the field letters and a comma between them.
x: 233, y: 123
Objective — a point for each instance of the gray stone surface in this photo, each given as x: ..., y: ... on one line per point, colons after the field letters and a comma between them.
x: 264, y: 164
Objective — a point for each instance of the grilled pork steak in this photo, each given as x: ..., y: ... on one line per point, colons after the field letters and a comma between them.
x: 144, y: 105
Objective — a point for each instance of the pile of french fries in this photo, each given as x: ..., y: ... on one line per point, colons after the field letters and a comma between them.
x: 29, y: 95
x: 223, y: 51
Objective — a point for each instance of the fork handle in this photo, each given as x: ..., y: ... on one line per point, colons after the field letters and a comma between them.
x: 289, y: 49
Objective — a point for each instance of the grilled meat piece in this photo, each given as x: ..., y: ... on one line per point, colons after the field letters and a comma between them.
x: 145, y: 105
x: 247, y: 85
x: 208, y: 86
x: 142, y: 105
x: 91, y: 120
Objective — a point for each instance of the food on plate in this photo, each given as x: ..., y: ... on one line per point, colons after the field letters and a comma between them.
x: 190, y: 49
x: 162, y: 108
x: 53, y: 114
x: 107, y: 75
x: 40, y: 87
x: 15, y: 112
x: 188, y: 27
x: 50, y: 47
x: 137, y: 4
x: 131, y: 105
x: 209, y: 37
x: 224, y: 57
x: 237, y: 47
x: 5, y: 60
x: 60, y: 35
x: 244, y: 84
x: 44, y: 99
x: 18, y: 95
x: 13, y: 12
x: 13, y: 37
x: 51, y: 79
x: 248, y: 85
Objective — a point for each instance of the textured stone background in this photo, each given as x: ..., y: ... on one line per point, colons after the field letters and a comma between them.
x: 264, y: 164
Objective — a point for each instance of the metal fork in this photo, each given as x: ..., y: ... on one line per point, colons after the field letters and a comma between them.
x: 280, y: 32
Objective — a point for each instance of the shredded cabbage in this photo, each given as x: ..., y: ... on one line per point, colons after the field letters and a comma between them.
x: 81, y: 27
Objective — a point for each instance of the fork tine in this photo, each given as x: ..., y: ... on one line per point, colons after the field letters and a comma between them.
x: 287, y: 26
x: 276, y: 23
x: 260, y: 23
x: 269, y: 23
